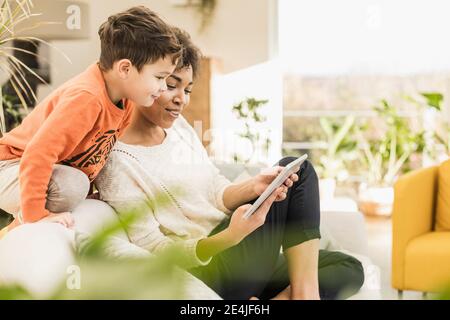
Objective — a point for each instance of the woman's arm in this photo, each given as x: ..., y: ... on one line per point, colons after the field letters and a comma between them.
x: 145, y: 232
x: 213, y: 245
x: 238, y: 229
x: 120, y: 186
x: 239, y: 194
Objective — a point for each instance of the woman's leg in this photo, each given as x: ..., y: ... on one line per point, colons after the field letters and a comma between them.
x: 340, y: 276
x: 303, y: 266
x: 244, y: 270
x: 303, y: 212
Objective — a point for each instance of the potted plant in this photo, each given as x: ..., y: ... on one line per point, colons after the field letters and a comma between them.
x: 20, y: 89
x: 13, y: 112
x: 249, y: 113
x: 340, y: 147
x: 436, y: 126
x: 386, y: 155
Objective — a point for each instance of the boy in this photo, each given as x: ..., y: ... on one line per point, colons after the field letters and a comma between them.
x: 48, y: 162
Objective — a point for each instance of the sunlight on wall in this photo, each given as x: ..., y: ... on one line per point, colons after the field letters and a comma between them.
x: 262, y: 81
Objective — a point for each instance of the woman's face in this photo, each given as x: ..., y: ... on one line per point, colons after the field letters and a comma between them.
x: 168, y: 107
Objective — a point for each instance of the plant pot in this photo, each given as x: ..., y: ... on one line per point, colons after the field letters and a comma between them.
x: 376, y: 201
x: 327, y: 188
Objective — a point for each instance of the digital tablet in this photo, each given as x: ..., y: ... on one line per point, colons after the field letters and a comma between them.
x: 290, y: 169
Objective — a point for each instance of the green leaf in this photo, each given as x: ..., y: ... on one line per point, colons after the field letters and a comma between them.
x: 434, y: 99
x: 14, y: 292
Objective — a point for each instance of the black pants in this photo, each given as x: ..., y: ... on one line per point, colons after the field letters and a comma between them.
x: 255, y: 267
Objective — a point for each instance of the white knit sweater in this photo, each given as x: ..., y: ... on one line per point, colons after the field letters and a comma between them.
x: 177, y: 171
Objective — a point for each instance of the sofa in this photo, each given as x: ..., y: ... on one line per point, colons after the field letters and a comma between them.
x: 37, y: 256
x: 421, y: 230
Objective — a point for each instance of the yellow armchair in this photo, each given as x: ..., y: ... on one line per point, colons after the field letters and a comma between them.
x: 420, y: 254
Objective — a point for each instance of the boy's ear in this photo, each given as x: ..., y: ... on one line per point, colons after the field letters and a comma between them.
x: 123, y: 68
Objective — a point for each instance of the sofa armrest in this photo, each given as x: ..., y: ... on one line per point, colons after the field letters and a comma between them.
x: 344, y: 231
x: 413, y: 213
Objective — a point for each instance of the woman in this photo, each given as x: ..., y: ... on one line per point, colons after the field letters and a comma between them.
x: 238, y: 258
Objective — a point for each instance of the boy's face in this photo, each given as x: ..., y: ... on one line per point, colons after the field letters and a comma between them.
x: 168, y: 107
x: 144, y: 87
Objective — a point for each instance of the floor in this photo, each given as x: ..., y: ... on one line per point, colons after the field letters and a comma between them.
x: 380, y: 247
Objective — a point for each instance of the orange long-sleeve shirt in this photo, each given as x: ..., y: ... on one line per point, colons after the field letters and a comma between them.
x: 76, y: 125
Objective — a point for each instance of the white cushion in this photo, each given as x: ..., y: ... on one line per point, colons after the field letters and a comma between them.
x: 36, y: 256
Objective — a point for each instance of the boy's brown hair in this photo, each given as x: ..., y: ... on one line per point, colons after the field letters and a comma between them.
x: 139, y: 35
x: 191, y: 54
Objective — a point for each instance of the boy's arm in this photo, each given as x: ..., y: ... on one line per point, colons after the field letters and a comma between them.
x: 59, y: 135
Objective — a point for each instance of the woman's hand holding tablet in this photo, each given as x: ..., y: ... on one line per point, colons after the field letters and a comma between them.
x: 290, y: 169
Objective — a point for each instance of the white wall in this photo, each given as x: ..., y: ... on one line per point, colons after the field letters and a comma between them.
x: 242, y: 36
x: 263, y: 82
x: 239, y: 34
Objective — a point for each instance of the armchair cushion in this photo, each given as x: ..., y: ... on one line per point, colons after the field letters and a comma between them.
x: 427, y: 261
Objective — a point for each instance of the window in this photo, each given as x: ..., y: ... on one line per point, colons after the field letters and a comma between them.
x: 340, y: 58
